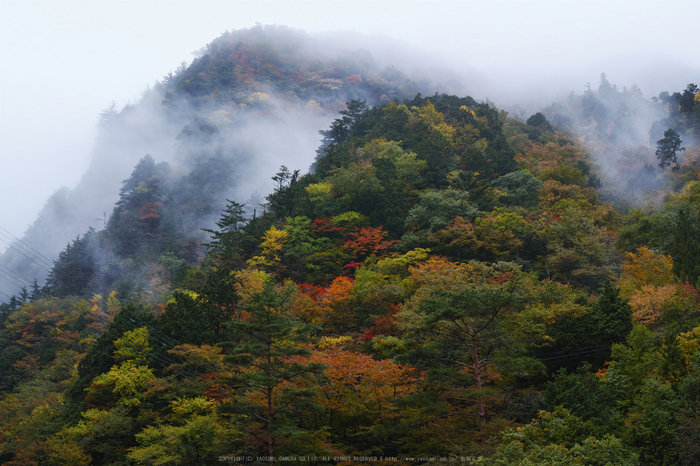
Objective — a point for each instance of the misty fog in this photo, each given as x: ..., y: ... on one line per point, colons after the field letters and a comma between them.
x: 258, y: 135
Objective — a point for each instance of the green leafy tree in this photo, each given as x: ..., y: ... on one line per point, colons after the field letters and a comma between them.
x: 687, y: 100
x: 559, y: 439
x: 300, y: 244
x: 133, y: 227
x: 651, y: 423
x: 579, y: 251
x: 539, y: 120
x: 104, y: 435
x: 589, y: 336
x: 584, y: 394
x: 612, y: 315
x: 520, y: 186
x: 193, y: 435
x: 357, y: 188
x: 100, y: 357
x: 632, y: 363
x: 196, y: 318
x: 342, y: 128
x: 435, y: 210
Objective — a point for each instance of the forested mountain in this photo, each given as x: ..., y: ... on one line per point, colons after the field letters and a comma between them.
x: 252, y: 100
x: 446, y: 281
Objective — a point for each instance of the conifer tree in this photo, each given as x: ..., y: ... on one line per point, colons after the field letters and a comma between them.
x: 225, y: 244
x: 268, y: 359
x: 667, y: 149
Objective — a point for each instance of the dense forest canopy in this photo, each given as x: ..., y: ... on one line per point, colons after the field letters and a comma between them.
x: 445, y: 281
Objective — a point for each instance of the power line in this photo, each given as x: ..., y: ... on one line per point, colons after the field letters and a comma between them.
x: 539, y: 356
x: 21, y: 252
x: 166, y: 341
x: 583, y: 351
x: 16, y: 275
x: 10, y: 279
x: 46, y: 259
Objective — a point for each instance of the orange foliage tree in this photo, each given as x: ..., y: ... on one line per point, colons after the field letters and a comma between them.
x: 335, y: 303
x: 358, y: 395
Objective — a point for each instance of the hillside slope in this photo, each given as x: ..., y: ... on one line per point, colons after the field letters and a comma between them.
x: 447, y: 281
x: 253, y: 99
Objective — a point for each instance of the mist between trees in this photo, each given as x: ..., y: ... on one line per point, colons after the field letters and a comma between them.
x: 443, y: 280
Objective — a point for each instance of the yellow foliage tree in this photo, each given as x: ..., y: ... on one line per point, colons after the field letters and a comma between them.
x: 249, y: 282
x: 429, y: 115
x: 436, y: 120
x: 127, y: 383
x: 645, y: 267
x: 133, y: 346
x: 649, y: 303
x: 273, y: 242
x: 320, y: 197
x: 689, y: 344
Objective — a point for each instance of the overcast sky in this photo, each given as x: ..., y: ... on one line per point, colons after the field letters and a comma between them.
x: 64, y: 61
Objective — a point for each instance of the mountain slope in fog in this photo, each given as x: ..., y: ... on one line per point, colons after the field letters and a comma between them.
x: 256, y: 99
x: 252, y: 100
x: 431, y: 233
x: 621, y: 129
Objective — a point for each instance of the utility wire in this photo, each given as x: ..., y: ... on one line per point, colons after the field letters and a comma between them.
x: 47, y: 260
x: 575, y: 355
x: 164, y: 340
x: 13, y: 243
x: 10, y: 279
x: 16, y: 275
x: 132, y: 323
x: 169, y: 342
x: 586, y: 351
x: 539, y: 356
x: 21, y: 252
x: 153, y: 332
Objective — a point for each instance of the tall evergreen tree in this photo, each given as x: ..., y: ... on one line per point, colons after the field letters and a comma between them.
x: 667, y: 149
x: 282, y: 200
x: 75, y: 267
x: 267, y: 358
x: 683, y: 243
x: 225, y: 244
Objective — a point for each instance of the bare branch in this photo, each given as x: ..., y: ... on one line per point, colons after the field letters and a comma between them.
x: 456, y: 362
x: 495, y: 313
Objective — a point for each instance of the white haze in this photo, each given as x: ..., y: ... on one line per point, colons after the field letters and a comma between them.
x: 62, y: 62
